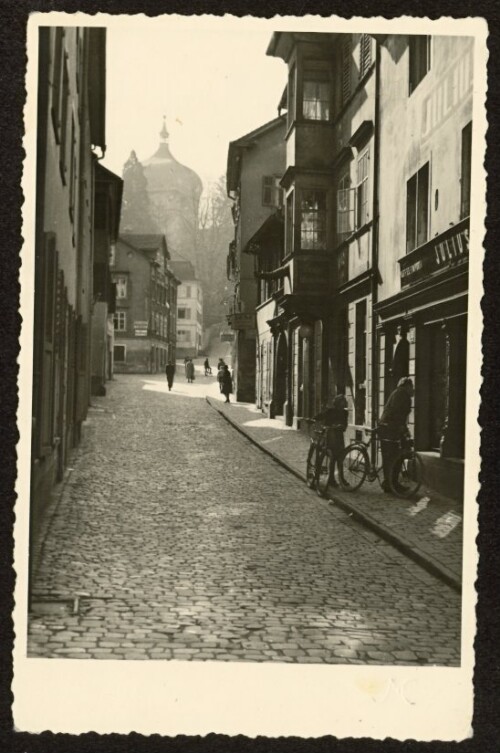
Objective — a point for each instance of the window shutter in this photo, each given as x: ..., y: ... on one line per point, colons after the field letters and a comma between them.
x: 346, y: 68
x: 365, y: 54
x: 46, y: 405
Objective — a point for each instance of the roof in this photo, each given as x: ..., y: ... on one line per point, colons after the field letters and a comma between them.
x: 283, y: 42
x: 115, y: 184
x: 271, y: 231
x: 246, y: 142
x: 182, y: 269
x: 145, y: 241
x: 97, y: 86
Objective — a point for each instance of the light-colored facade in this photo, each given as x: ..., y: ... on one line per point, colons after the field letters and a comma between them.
x: 189, y: 310
x: 425, y: 144
x: 146, y: 301
x: 255, y: 165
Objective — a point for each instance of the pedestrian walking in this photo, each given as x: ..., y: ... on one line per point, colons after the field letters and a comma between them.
x: 226, y: 383
x: 190, y: 371
x: 208, y: 369
x: 170, y: 371
x: 335, y: 417
x: 220, y: 374
x: 393, y: 425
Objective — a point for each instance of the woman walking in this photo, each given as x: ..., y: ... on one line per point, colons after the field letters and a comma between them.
x: 190, y: 371
x: 226, y: 383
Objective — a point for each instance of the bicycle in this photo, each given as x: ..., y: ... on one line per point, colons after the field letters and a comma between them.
x: 355, y: 466
x: 320, y: 462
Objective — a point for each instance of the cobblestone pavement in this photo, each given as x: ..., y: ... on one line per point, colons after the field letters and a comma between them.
x: 182, y: 540
x: 429, y: 527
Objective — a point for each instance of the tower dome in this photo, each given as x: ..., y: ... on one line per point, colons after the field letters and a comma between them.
x: 174, y: 192
x: 165, y: 173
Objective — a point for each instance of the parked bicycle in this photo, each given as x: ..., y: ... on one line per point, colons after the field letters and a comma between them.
x: 320, y: 463
x: 355, y: 465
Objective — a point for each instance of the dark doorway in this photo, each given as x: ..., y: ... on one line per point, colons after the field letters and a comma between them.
x: 280, y: 378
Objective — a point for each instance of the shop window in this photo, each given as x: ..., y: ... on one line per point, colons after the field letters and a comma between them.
x: 365, y: 54
x: 313, y: 220
x: 417, y: 204
x: 420, y: 60
x: 120, y: 321
x: 271, y: 191
x: 346, y: 200
x: 316, y: 95
x: 360, y: 363
x: 465, y: 178
x: 362, y: 213
x: 291, y: 96
x: 345, y: 68
x: 119, y: 353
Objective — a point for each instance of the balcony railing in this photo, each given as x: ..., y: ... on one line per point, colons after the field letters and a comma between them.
x: 449, y: 249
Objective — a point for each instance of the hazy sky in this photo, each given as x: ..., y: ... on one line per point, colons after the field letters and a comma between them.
x: 213, y: 82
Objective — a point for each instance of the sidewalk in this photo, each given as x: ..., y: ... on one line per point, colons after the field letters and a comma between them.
x: 427, y: 529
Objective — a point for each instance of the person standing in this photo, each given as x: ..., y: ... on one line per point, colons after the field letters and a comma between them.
x: 190, y: 371
x: 335, y: 417
x: 393, y: 425
x: 207, y: 366
x: 170, y: 371
x: 226, y: 383
x: 220, y: 374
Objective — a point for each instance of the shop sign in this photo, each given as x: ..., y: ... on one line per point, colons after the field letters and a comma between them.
x: 242, y: 321
x: 449, y: 249
x: 141, y: 329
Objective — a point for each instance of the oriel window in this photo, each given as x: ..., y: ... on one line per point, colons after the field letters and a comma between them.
x: 316, y: 95
x: 313, y: 220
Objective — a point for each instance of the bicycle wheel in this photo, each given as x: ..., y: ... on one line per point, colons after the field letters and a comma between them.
x: 325, y: 470
x: 311, y: 466
x: 353, y: 467
x: 406, y: 475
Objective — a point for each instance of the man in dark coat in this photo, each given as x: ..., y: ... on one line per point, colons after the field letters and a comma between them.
x: 335, y: 417
x: 393, y: 425
x: 226, y: 383
x: 170, y: 371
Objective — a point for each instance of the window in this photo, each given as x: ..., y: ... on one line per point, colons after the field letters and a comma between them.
x: 417, y: 202
x: 120, y: 321
x: 360, y: 363
x: 365, y: 54
x: 313, y: 220
x: 289, y: 224
x: 271, y: 193
x: 420, y: 60
x: 121, y: 287
x: 119, y: 353
x: 291, y: 96
x: 188, y: 291
x: 345, y: 207
x: 466, y: 171
x: 184, y: 313
x: 184, y: 335
x: 362, y: 212
x: 346, y: 68
x: 316, y: 95
x: 112, y: 255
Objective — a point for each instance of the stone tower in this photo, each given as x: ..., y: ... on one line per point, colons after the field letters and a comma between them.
x: 174, y: 192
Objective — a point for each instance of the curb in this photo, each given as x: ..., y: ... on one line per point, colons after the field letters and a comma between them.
x: 427, y: 562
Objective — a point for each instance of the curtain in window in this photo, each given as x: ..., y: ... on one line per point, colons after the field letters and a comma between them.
x: 313, y: 220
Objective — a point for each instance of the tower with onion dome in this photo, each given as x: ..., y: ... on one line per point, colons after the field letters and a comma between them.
x: 174, y: 191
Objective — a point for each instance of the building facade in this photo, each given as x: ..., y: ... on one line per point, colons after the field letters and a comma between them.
x: 146, y: 304
x: 425, y: 170
x: 322, y: 325
x: 255, y: 165
x: 107, y: 204
x: 70, y: 139
x: 189, y: 310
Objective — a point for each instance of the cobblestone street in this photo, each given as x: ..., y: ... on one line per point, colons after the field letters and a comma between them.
x: 182, y: 540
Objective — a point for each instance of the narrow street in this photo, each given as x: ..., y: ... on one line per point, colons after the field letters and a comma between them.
x: 184, y: 541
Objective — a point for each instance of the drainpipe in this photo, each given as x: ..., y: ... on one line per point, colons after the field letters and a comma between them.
x: 375, y: 238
